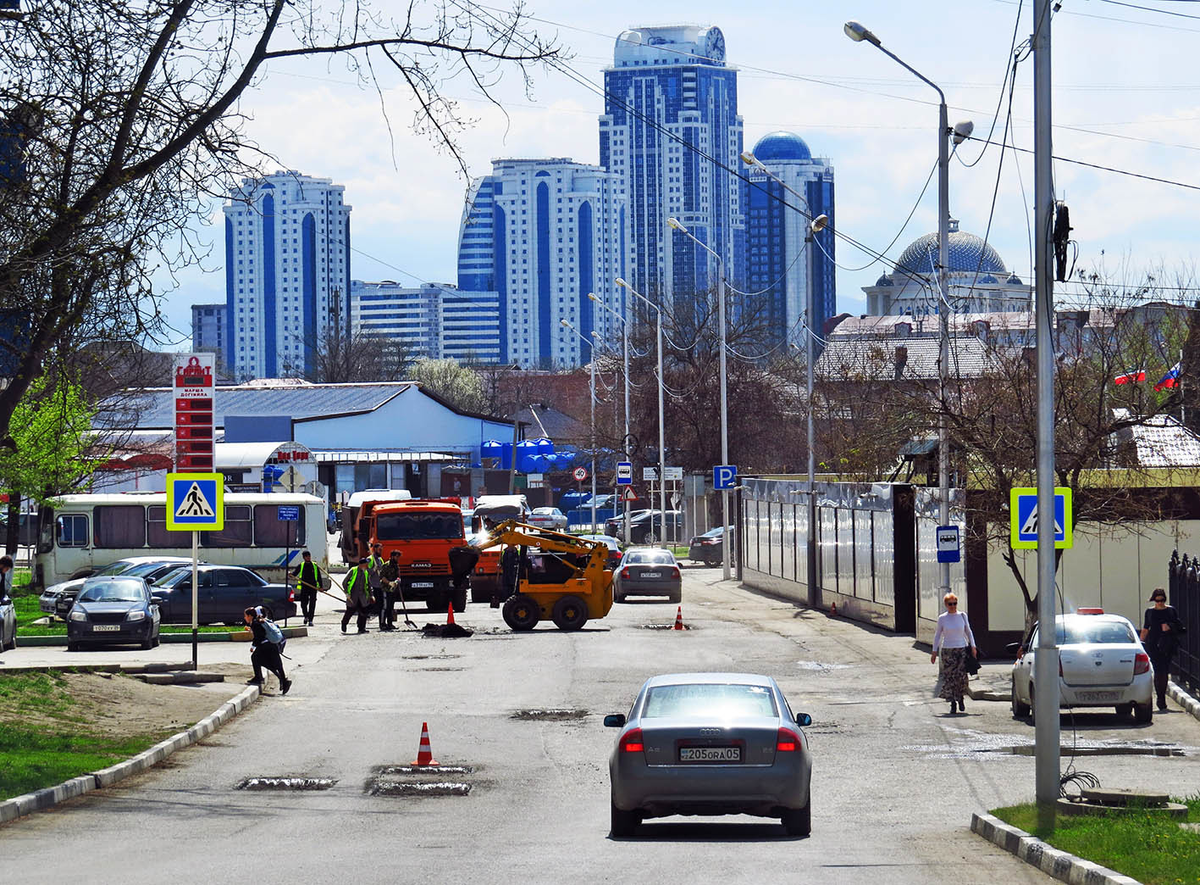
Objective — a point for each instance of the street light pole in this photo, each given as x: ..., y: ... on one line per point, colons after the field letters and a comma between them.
x: 859, y: 33
x: 625, y: 342
x: 662, y: 445
x: 592, y: 388
x: 725, y: 552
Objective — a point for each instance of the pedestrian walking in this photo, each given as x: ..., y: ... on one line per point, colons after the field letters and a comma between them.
x: 954, y: 638
x: 6, y: 579
x: 358, y: 595
x: 379, y: 590
x: 264, y: 652
x: 1161, y: 628
x: 390, y: 578
x: 308, y: 575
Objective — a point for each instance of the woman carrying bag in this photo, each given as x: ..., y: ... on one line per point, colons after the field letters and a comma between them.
x: 957, y: 644
x: 1161, y: 628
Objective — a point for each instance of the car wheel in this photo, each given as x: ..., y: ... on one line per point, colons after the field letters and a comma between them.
x: 650, y: 538
x: 798, y: 821
x: 675, y: 597
x: 1019, y: 710
x: 624, y: 823
x: 521, y: 613
x: 73, y: 646
x: 1032, y: 707
x: 157, y: 640
x: 1124, y: 709
x: 1143, y: 714
x: 147, y: 645
x: 570, y: 613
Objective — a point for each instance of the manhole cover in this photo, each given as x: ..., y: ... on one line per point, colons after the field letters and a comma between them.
x: 550, y: 715
x: 287, y: 783
x: 434, y: 788
x: 426, y: 769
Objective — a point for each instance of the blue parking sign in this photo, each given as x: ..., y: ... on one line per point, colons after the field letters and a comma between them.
x: 724, y: 477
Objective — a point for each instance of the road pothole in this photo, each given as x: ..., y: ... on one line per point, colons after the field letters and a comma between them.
x: 436, y: 770
x: 446, y: 657
x: 821, y: 666
x: 405, y: 789
x: 670, y: 626
x: 549, y: 715
x: 1028, y: 750
x: 300, y: 784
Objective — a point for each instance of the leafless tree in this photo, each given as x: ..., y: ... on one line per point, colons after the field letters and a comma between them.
x: 350, y: 356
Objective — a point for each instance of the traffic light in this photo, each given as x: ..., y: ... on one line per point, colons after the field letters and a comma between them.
x: 270, y: 477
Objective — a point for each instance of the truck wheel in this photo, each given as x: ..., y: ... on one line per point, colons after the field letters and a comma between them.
x: 570, y: 613
x: 521, y: 613
x: 437, y: 603
x: 459, y: 598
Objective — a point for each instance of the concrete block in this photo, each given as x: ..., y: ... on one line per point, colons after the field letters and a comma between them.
x: 1059, y: 864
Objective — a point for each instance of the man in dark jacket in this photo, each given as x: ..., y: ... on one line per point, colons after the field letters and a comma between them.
x: 358, y: 595
x: 379, y: 589
x: 308, y: 582
x: 390, y: 579
x: 264, y: 653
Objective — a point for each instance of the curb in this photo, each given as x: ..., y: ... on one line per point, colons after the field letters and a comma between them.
x: 1059, y: 864
x: 167, y: 638
x: 40, y: 800
x: 1185, y: 700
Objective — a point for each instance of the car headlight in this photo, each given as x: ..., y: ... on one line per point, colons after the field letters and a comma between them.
x: 136, y: 616
x: 78, y: 615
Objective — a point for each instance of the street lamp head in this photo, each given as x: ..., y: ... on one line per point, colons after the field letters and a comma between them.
x: 565, y: 324
x: 595, y: 334
x: 858, y: 33
x: 621, y: 282
x: 592, y: 296
x: 674, y: 222
x: 749, y: 159
x: 819, y: 223
x: 962, y: 131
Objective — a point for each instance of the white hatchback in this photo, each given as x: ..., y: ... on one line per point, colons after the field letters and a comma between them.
x: 1101, y: 664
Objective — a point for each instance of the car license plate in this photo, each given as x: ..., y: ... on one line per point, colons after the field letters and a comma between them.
x: 105, y: 628
x: 650, y: 575
x: 1098, y: 696
x: 422, y: 585
x: 710, y: 754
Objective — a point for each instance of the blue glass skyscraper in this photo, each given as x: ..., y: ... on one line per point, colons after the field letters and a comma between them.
x: 672, y: 135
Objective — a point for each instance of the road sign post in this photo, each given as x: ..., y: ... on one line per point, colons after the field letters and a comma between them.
x: 195, y: 503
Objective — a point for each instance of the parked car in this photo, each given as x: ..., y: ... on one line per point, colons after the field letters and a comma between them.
x: 646, y: 526
x: 150, y: 568
x: 710, y: 743
x: 224, y: 592
x: 548, y: 518
x: 613, y: 526
x: 614, y: 549
x: 708, y: 548
x: 648, y: 571
x: 1101, y: 664
x: 113, y: 610
x: 8, y: 624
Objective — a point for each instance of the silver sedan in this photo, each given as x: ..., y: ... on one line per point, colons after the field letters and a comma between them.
x: 710, y: 744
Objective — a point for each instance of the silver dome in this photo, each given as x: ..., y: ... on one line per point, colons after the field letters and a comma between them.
x: 966, y: 252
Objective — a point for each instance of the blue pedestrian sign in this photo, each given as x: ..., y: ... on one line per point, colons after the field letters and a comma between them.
x: 624, y: 473
x: 289, y: 512
x: 724, y: 477
x: 195, y: 502
x: 1023, y: 516
x: 947, y: 544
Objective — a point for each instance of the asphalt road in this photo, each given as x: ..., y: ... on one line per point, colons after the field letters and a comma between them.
x: 895, y: 778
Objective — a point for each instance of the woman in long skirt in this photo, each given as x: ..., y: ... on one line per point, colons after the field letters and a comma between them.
x: 953, y: 638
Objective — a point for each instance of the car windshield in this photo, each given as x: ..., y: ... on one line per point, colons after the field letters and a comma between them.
x: 113, y: 568
x: 1084, y: 632
x: 146, y: 568
x: 545, y: 511
x: 114, y: 591
x: 713, y: 533
x: 603, y: 539
x: 709, y: 700
x: 649, y: 557
x: 415, y: 526
x: 172, y: 576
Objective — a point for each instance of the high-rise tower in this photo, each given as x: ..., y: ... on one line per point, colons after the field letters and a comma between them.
x: 672, y: 135
x: 287, y: 272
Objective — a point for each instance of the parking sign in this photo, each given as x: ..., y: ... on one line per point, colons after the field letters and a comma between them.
x: 724, y: 477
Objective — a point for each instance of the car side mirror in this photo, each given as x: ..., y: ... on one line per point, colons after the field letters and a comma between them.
x: 7, y: 600
x: 157, y: 600
x: 614, y: 720
x: 1015, y: 648
x: 803, y: 719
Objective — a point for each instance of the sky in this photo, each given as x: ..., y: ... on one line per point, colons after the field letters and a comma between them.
x: 1126, y: 96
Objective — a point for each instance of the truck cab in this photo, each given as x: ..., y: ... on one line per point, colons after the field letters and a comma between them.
x: 426, y: 533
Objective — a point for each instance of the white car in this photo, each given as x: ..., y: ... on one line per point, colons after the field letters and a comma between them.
x: 1101, y: 664
x: 548, y: 518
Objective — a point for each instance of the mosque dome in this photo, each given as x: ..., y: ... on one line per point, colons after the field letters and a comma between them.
x: 968, y: 254
x: 884, y: 280
x: 1014, y: 280
x: 988, y: 280
x: 781, y: 147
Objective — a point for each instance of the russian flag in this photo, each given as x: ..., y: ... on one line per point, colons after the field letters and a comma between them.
x: 1131, y: 376
x: 1171, y: 379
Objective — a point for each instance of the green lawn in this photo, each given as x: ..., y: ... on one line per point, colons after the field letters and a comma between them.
x: 44, y: 736
x: 1148, y: 847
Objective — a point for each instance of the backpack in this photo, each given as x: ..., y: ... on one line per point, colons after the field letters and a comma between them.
x: 274, y: 634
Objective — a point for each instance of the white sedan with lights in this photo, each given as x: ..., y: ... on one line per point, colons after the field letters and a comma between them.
x: 1101, y: 664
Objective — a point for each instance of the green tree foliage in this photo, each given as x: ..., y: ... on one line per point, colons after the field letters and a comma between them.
x: 459, y: 385
x: 51, y: 428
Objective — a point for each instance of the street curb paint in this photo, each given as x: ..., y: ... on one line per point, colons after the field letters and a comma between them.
x: 167, y: 638
x: 1059, y: 864
x: 1185, y: 700
x: 40, y: 800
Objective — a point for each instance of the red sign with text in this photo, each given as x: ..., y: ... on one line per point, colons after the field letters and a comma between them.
x: 194, y: 388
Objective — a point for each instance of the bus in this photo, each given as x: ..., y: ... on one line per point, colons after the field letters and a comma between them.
x: 80, y: 533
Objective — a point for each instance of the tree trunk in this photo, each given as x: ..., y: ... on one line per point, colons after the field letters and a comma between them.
x: 13, y: 537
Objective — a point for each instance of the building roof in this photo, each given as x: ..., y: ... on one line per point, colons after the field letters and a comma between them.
x: 911, y: 359
x: 1162, y: 441
x: 960, y: 324
x: 968, y: 254
x: 781, y: 146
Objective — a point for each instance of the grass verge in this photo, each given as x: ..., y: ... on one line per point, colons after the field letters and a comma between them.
x: 1151, y: 848
x: 45, y: 736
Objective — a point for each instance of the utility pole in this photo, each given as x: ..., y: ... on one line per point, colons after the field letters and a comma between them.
x: 1046, y: 696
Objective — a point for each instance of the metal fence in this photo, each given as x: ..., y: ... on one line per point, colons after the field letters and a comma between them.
x: 1184, y: 595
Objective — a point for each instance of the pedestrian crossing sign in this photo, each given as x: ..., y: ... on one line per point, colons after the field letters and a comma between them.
x: 1023, y: 516
x: 195, y: 502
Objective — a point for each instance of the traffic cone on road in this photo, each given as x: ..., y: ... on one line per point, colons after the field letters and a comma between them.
x: 678, y: 618
x: 450, y: 614
x: 833, y: 610
x: 425, y: 752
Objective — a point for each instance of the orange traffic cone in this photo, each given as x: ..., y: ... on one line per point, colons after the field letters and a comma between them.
x: 833, y: 610
x: 425, y: 752
x: 678, y: 618
x: 450, y: 615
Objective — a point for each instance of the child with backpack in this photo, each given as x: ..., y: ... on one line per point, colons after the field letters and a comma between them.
x: 266, y: 645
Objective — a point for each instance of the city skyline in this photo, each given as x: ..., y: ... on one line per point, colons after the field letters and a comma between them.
x: 852, y: 104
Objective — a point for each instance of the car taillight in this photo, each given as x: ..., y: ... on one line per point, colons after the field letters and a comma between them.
x: 675, y: 571
x: 711, y: 541
x: 631, y: 741
x: 624, y: 573
x: 291, y: 595
x: 1141, y: 663
x: 787, y: 741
